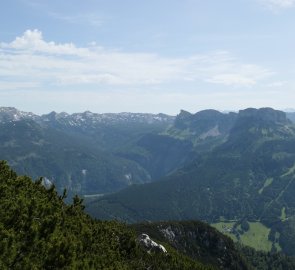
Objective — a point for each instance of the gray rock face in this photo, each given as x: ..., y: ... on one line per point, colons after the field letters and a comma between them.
x: 10, y: 114
x: 148, y: 244
x: 265, y: 114
x: 46, y: 183
x: 168, y: 233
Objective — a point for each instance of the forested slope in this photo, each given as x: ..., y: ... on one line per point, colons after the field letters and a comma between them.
x: 250, y: 176
x: 39, y: 231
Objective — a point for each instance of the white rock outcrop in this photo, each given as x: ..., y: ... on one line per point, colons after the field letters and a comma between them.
x: 150, y: 245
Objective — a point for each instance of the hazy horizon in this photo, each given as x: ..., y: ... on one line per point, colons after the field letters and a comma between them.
x: 287, y: 110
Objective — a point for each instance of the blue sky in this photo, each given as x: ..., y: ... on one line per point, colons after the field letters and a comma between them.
x: 147, y: 55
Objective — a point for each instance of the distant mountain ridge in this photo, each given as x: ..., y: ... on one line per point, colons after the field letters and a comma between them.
x: 77, y: 151
x: 265, y: 114
x: 90, y: 153
x: 12, y: 114
x: 9, y: 114
x: 140, y: 147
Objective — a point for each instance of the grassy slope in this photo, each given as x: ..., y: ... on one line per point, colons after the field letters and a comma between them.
x: 257, y: 236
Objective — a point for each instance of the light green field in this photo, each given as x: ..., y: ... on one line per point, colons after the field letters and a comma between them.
x: 277, y: 246
x: 256, y: 237
x: 290, y: 171
x: 177, y: 134
x: 283, y: 214
x: 267, y: 182
x: 225, y: 228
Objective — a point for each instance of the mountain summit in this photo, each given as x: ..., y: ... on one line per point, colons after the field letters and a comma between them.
x: 265, y: 115
x: 10, y: 114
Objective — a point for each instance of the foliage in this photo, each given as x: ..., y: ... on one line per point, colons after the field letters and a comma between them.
x: 39, y: 231
x: 267, y: 261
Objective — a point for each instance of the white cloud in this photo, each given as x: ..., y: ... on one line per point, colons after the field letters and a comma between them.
x: 30, y: 56
x: 279, y: 4
x: 18, y: 85
x: 241, y: 75
x: 32, y: 41
x: 232, y: 79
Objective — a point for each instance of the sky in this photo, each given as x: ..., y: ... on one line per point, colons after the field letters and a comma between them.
x: 146, y: 55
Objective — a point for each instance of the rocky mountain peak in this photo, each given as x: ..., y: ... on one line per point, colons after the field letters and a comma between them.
x: 265, y: 114
x: 208, y: 113
x: 205, y: 121
x: 11, y: 114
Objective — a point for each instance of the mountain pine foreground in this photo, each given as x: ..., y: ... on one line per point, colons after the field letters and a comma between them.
x: 39, y: 231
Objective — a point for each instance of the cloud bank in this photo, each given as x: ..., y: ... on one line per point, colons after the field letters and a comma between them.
x: 32, y: 60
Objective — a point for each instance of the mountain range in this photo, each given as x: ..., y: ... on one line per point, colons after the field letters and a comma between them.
x: 90, y: 153
x: 79, y: 152
x: 233, y: 170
